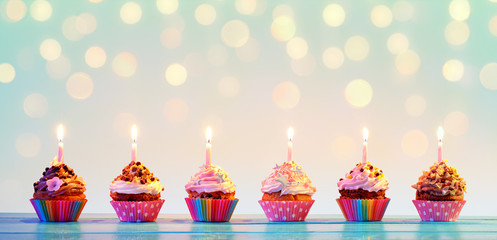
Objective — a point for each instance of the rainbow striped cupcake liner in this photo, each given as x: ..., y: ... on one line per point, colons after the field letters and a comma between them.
x: 58, y: 210
x: 362, y: 210
x: 211, y: 210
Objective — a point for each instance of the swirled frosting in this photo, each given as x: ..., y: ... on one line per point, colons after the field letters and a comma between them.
x: 210, y: 178
x: 441, y: 180
x: 68, y: 182
x: 135, y: 179
x: 288, y: 178
x: 364, y: 177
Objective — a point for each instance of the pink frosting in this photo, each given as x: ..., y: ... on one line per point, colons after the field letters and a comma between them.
x: 288, y: 178
x: 210, y: 178
x: 365, y: 177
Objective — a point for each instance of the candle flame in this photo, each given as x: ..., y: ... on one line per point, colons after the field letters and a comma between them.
x: 60, y: 133
x: 440, y: 133
x: 208, y: 134
x: 365, y: 134
x: 134, y: 133
x: 290, y: 134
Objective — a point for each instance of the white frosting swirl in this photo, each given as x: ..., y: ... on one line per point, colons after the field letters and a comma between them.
x: 365, y: 177
x: 289, y: 179
x: 210, y: 178
x: 124, y: 187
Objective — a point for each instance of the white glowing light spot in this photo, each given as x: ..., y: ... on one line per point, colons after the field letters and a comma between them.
x: 407, y: 63
x: 286, y: 95
x: 40, y: 10
x: 7, y: 73
x: 235, y: 33
x: 50, y: 49
x: 459, y: 10
x: 297, y: 48
x: 79, y: 86
x: 35, y: 105
x: 176, y: 74
x: 402, y: 10
x: 333, y: 58
x: 95, y: 57
x: 304, y: 66
x: 70, y: 30
x: 28, y: 145
x: 397, y: 43
x: 283, y: 10
x: 167, y: 6
x: 122, y: 122
x: 415, y: 105
x: 246, y: 7
x: 228, y: 87
x: 492, y: 26
x: 334, y: 15
x: 59, y: 68
x: 381, y: 16
x: 344, y: 147
x: 85, y: 23
x: 456, y: 123
x: 124, y: 64
x: 95, y: 1
x: 453, y: 70
x: 176, y: 110
x: 15, y: 10
x: 248, y: 52
x: 170, y: 38
x: 205, y: 14
x: 414, y: 143
x: 356, y: 48
x: 457, y: 33
x: 283, y: 28
x: 131, y: 13
x: 488, y: 76
x: 358, y: 93
x: 217, y: 55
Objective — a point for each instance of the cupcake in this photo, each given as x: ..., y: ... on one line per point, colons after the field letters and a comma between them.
x: 59, y: 194
x: 287, y: 193
x: 440, y: 193
x: 362, y: 193
x: 211, y: 195
x: 136, y: 194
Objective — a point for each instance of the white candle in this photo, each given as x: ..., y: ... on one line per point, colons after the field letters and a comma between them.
x: 365, y: 146
x: 440, y: 137
x: 208, y: 146
x: 134, y: 132
x: 290, y: 144
x: 60, y: 134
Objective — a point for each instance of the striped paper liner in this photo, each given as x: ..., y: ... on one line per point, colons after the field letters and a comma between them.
x: 438, y: 211
x: 211, y: 210
x: 58, y: 210
x: 362, y: 210
x: 137, y: 211
x: 286, y: 211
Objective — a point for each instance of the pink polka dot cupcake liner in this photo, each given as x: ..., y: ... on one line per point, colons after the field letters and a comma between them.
x: 131, y: 211
x: 58, y: 210
x: 286, y: 211
x: 211, y: 210
x: 438, y: 211
x: 362, y: 210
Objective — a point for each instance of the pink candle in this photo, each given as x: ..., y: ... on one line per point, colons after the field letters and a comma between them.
x: 60, y: 134
x: 208, y: 146
x: 365, y: 146
x: 440, y: 137
x: 290, y: 144
x: 134, y: 132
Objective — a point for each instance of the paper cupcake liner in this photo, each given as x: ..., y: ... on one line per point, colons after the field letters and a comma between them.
x: 133, y: 211
x: 363, y: 209
x: 286, y: 211
x: 58, y: 210
x: 438, y: 211
x: 211, y: 210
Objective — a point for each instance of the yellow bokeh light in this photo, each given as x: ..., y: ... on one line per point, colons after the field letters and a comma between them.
x: 167, y: 6
x: 79, y: 86
x: 414, y: 143
x: 124, y: 64
x: 176, y: 110
x: 456, y: 123
x: 453, y: 70
x: 235, y: 33
x: 217, y: 55
x: 86, y: 23
x: 283, y: 10
x: 397, y: 43
x: 248, y: 52
x: 50, y: 49
x: 59, y: 68
x: 95, y: 57
x: 283, y: 28
x: 28, y: 145
x: 381, y: 16
x: 488, y: 76
x: 334, y: 15
x: 228, y: 87
x: 415, y: 105
x: 176, y: 74
x: 333, y: 58
x: 205, y: 14
x: 7, y: 73
x: 35, y: 105
x: 246, y: 7
x: 457, y: 33
x: 131, y: 13
x: 297, y: 48
x: 40, y: 10
x: 459, y: 10
x: 70, y: 30
x: 344, y: 147
x: 95, y: 1
x: 15, y: 10
x: 407, y: 63
x: 492, y: 26
x: 403, y: 10
x: 286, y: 95
x: 170, y: 38
x: 358, y: 93
x: 356, y: 48
x: 304, y: 66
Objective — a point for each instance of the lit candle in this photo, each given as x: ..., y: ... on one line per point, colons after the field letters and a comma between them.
x: 290, y: 144
x: 208, y: 146
x: 60, y: 134
x: 133, y: 144
x: 365, y: 146
x: 440, y: 137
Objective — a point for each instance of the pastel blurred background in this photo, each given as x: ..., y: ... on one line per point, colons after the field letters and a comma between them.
x: 250, y: 69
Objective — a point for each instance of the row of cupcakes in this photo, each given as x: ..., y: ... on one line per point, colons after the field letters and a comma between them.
x: 287, y: 191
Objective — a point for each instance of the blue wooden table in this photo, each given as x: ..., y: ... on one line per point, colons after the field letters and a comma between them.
x: 107, y: 226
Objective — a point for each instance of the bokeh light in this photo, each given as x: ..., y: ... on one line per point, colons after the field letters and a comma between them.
x: 7, y: 73
x: 407, y: 63
x: 70, y: 30
x: 344, y: 147
x: 217, y: 55
x: 333, y: 58
x: 35, y: 105
x: 403, y: 10
x: 415, y: 105
x: 59, y: 68
x: 131, y: 13
x: 297, y: 48
x: 124, y: 64
x: 356, y: 48
x: 205, y: 14
x: 95, y: 1
x: 85, y: 23
x: 286, y: 95
x: 246, y: 7
x: 459, y: 10
x: 170, y: 38
x: 334, y: 15
x: 283, y: 28
x: 167, y: 6
x: 79, y: 86
x: 457, y: 32
x: 176, y: 110
x: 248, y: 52
x: 50, y: 49
x: 492, y: 26
x: 40, y: 10
x: 95, y: 57
x: 28, y: 145
x: 228, y: 86
x: 358, y: 93
x: 235, y: 33
x: 304, y: 66
x: 381, y: 16
x: 283, y: 10
x: 414, y: 143
x: 397, y: 43
x: 15, y: 10
x: 456, y: 123
x: 488, y: 76
x: 122, y: 123
x: 453, y: 70
x: 176, y: 74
